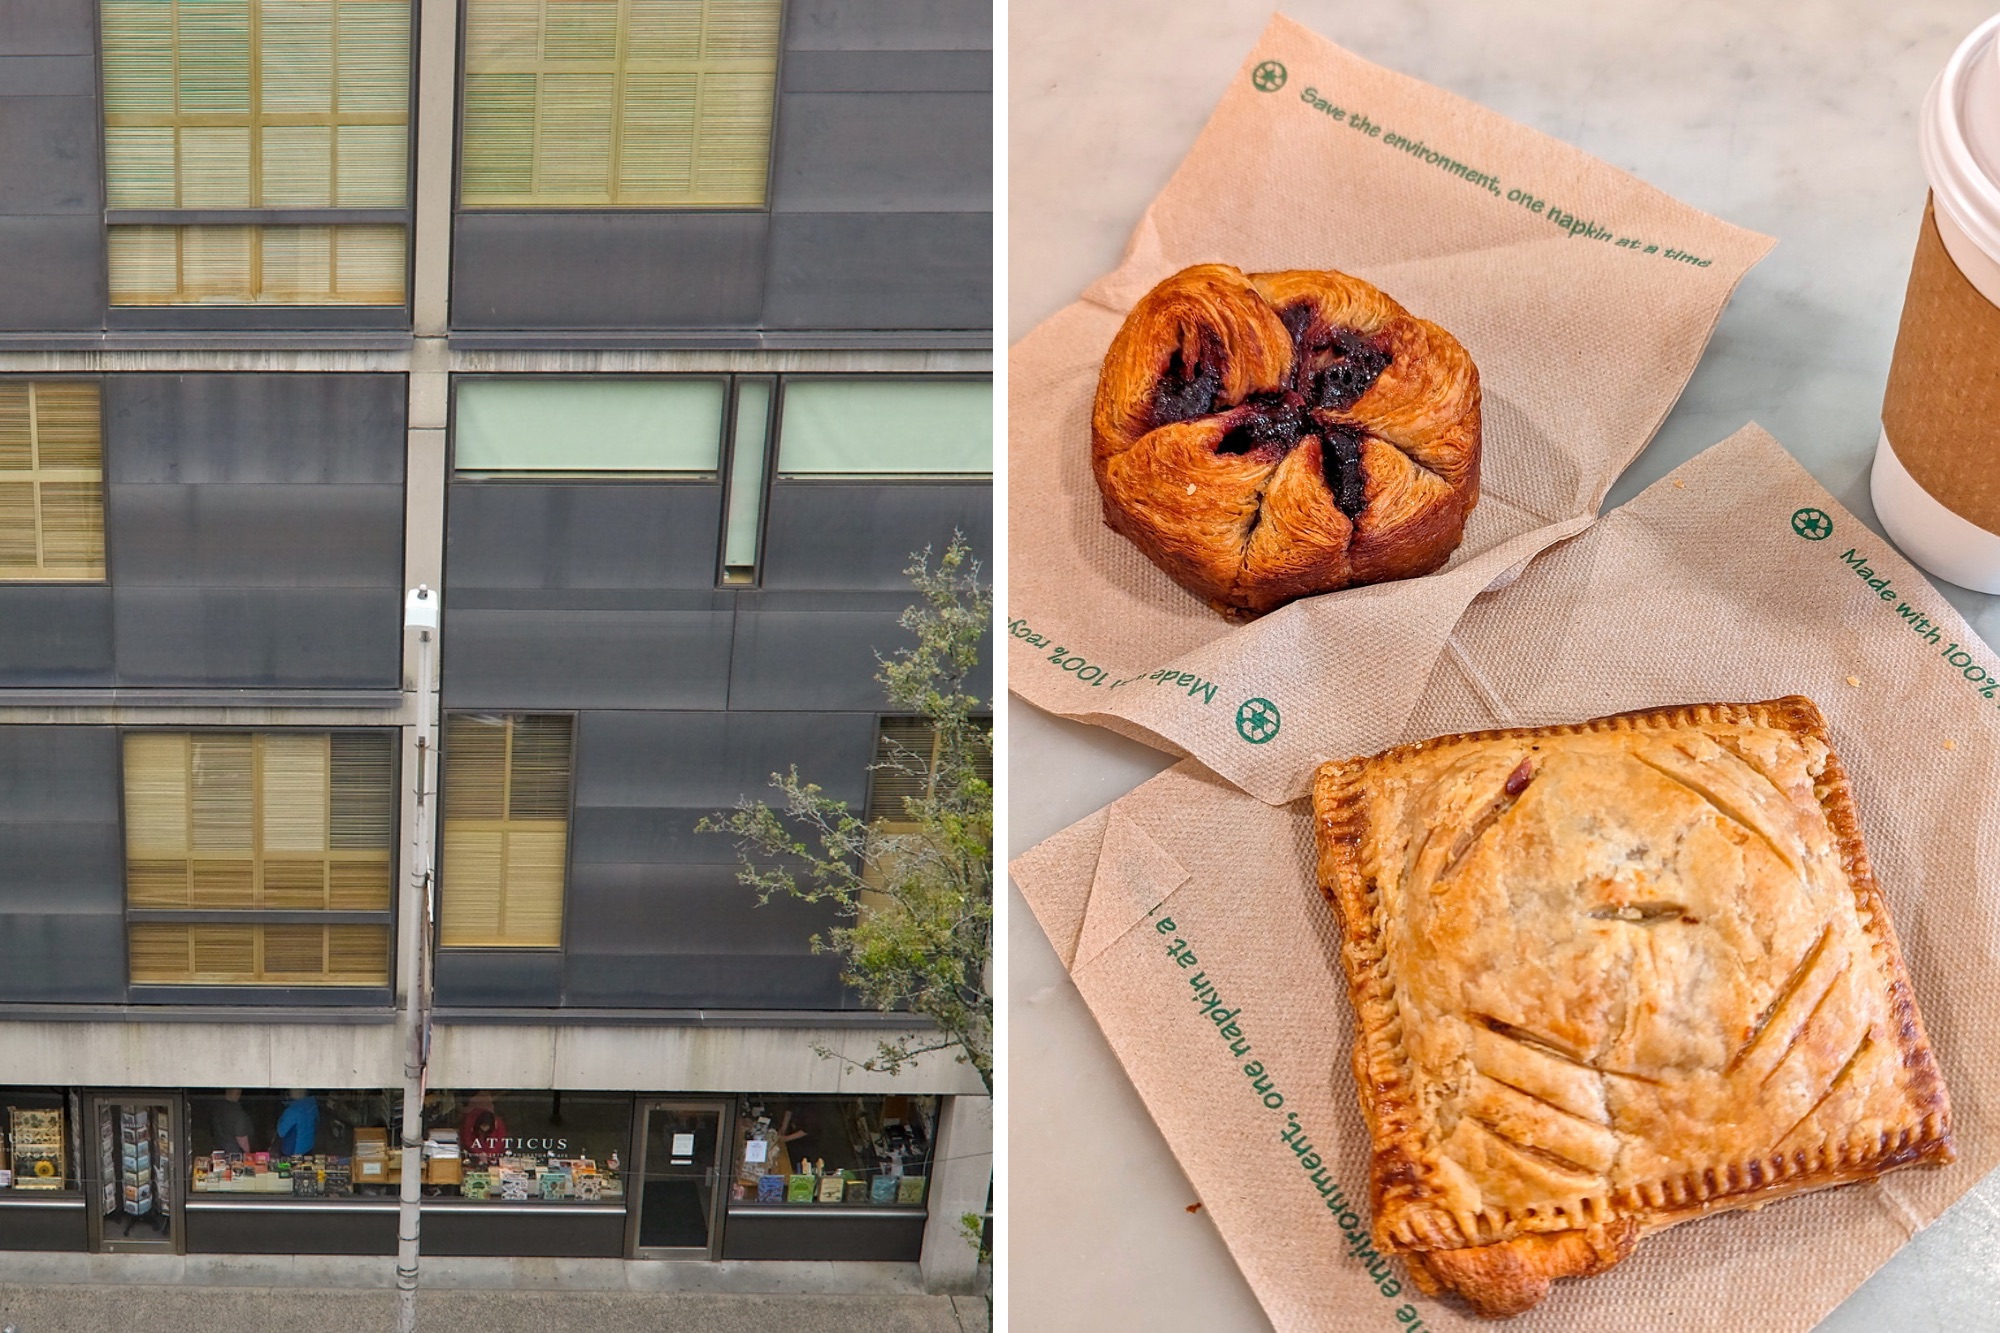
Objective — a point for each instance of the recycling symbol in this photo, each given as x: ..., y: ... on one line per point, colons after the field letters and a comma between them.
x: 1257, y: 720
x: 1812, y: 524
x: 1268, y: 77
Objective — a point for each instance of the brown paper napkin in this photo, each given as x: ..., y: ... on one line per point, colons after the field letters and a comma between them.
x: 1585, y: 296
x: 1735, y: 578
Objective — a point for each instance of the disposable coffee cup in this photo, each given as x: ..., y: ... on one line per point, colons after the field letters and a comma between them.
x: 1936, y: 481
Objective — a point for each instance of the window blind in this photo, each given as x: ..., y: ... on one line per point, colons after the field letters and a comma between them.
x: 51, y: 483
x: 882, y: 426
x: 256, y: 104
x: 580, y: 103
x: 506, y: 830
x: 223, y: 826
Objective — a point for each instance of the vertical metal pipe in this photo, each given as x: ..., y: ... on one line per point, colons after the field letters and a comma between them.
x: 421, y: 614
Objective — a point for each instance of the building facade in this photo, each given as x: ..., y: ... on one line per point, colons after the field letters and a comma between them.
x: 655, y: 335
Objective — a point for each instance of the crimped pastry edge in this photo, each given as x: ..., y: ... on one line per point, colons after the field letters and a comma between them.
x: 1402, y: 1221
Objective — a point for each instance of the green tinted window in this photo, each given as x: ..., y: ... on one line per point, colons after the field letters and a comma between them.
x: 589, y: 425
x: 881, y: 426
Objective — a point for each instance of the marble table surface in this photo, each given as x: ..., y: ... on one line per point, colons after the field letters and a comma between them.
x: 1795, y: 119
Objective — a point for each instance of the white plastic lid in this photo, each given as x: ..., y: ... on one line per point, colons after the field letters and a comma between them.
x: 1959, y: 136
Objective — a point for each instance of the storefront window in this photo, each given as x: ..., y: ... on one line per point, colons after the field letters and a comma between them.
x: 303, y: 1142
x: 808, y: 1151
x: 34, y: 1133
x: 554, y: 1146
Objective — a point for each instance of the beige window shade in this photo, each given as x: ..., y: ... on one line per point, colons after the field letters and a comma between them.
x: 506, y: 830
x: 906, y: 759
x: 204, y: 265
x: 237, y: 824
x: 582, y: 103
x: 256, y: 104
x: 51, y: 483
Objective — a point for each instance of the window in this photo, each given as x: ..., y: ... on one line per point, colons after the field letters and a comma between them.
x: 905, y: 768
x: 748, y: 452
x: 594, y: 425
x: 549, y: 1145
x: 256, y: 151
x: 886, y: 427
x: 872, y: 1151
x: 34, y: 1129
x: 51, y: 483
x: 259, y: 859
x: 609, y: 103
x: 506, y: 830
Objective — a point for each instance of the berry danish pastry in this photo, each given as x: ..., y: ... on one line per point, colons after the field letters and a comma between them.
x: 1266, y: 436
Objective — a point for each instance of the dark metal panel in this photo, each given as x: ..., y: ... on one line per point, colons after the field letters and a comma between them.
x: 254, y: 428
x: 888, y: 72
x: 517, y: 534
x: 528, y: 978
x: 702, y: 761
x: 276, y: 1228
x: 59, y: 773
x: 572, y: 1233
x: 743, y: 981
x: 51, y: 1227
x: 671, y: 912
x: 827, y: 535
x: 68, y: 866
x: 894, y: 1238
x: 55, y: 635
x: 884, y: 153
x: 586, y: 659
x: 880, y: 271
x: 607, y: 269
x: 53, y: 276
x: 329, y: 638
x: 48, y: 147
x: 811, y: 659
x: 64, y: 957
x: 889, y: 25
x: 304, y: 535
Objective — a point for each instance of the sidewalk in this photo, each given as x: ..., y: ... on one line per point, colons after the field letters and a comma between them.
x: 109, y: 1308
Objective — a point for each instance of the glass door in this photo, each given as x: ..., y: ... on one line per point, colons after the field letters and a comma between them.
x: 678, y: 1214
x: 133, y: 1175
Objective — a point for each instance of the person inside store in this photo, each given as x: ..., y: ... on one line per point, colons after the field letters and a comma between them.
x: 298, y: 1124
x: 481, y: 1130
x: 230, y: 1122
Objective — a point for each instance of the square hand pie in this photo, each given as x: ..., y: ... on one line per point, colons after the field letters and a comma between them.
x: 1612, y: 976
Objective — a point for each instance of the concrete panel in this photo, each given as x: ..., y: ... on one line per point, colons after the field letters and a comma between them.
x: 254, y: 428
x: 811, y: 659
x: 888, y: 72
x: 852, y: 535
x: 881, y: 271
x: 586, y: 659
x: 670, y: 913
x: 55, y: 635
x: 507, y: 978
x: 273, y: 536
x: 327, y: 638
x: 49, y: 146
x: 607, y: 270
x: 699, y: 761
x: 748, y: 981
x: 248, y: 1054
x: 884, y: 153
x: 53, y: 277
x: 888, y: 25
x: 518, y: 534
x: 62, y: 958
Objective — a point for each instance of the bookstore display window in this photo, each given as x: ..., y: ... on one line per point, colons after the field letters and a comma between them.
x: 34, y: 1133
x: 805, y: 1152
x: 301, y: 1142
x: 519, y: 1146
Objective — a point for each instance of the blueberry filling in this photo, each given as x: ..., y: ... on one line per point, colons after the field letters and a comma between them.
x: 1185, y: 391
x: 1332, y: 368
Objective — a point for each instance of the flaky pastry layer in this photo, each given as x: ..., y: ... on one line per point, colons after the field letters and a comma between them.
x: 1611, y: 976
